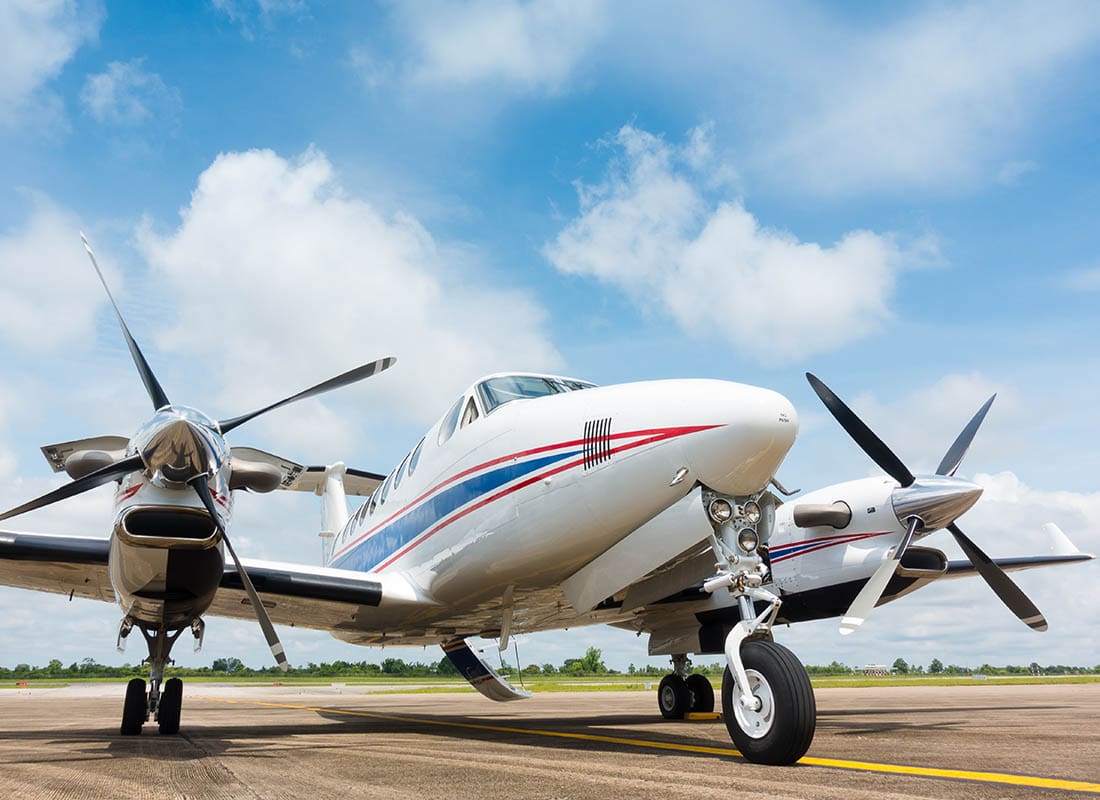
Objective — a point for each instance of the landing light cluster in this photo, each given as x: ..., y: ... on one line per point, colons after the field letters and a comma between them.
x: 721, y: 511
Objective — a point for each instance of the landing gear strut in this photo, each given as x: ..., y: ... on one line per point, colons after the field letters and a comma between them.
x: 767, y: 700
x: 164, y: 706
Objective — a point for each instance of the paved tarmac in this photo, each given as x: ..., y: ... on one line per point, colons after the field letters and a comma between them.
x: 973, y: 741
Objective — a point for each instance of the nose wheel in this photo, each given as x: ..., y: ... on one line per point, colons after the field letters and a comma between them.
x: 779, y: 726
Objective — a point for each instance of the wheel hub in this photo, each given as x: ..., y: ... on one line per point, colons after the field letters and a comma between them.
x: 756, y: 723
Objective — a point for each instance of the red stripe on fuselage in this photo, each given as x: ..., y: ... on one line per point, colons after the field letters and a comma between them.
x: 661, y: 435
x: 825, y: 542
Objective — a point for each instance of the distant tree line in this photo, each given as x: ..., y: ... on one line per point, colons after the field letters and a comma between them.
x: 591, y: 664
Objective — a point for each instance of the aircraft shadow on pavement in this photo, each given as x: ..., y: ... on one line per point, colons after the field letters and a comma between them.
x: 254, y: 737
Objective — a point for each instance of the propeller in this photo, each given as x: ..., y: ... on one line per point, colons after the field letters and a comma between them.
x: 940, y: 499
x: 152, y: 386
x: 186, y: 445
x: 202, y: 487
x: 90, y: 481
x: 349, y: 377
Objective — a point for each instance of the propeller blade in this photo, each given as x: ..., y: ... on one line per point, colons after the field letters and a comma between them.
x: 871, y: 592
x: 202, y: 486
x: 156, y: 393
x: 955, y: 454
x: 349, y: 377
x: 1011, y: 594
x: 863, y: 436
x: 80, y: 485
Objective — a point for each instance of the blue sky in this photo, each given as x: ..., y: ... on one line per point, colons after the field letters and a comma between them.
x: 902, y: 200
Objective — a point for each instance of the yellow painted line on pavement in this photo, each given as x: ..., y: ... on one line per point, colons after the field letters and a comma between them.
x: 1030, y: 781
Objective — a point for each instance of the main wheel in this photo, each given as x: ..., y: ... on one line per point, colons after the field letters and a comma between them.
x: 780, y: 730
x: 702, y: 693
x: 168, y: 712
x: 135, y: 708
x: 673, y: 697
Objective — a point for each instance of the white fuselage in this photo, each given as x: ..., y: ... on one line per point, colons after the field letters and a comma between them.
x: 532, y: 490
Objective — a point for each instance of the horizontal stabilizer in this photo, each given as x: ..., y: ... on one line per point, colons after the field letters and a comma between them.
x: 485, y: 679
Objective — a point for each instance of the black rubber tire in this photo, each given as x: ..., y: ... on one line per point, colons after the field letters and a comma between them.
x: 702, y: 693
x: 794, y: 707
x: 171, y: 701
x: 673, y: 697
x: 135, y: 708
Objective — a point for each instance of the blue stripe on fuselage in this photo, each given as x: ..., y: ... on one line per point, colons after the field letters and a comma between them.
x: 388, y: 540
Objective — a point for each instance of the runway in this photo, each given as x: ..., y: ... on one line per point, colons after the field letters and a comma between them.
x: 273, y: 742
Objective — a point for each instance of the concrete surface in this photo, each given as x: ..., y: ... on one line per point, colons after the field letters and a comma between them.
x: 321, y: 742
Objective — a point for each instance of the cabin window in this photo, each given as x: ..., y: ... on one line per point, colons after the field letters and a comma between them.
x: 450, y: 422
x: 385, y: 489
x: 400, y: 472
x: 415, y: 457
x: 470, y: 414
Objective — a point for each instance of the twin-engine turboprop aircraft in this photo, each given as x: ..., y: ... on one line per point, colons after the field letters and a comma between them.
x: 537, y: 502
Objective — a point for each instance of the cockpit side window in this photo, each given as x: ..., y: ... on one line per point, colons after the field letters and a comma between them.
x: 450, y: 422
x: 470, y: 414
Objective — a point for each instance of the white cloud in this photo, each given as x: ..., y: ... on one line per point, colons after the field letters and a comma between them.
x: 48, y: 297
x: 1011, y: 173
x: 1084, y: 280
x: 649, y: 229
x: 532, y: 45
x: 281, y: 279
x: 125, y: 94
x: 40, y: 36
x: 253, y: 14
x: 932, y: 100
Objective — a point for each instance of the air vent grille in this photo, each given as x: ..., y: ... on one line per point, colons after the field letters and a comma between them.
x: 597, y: 442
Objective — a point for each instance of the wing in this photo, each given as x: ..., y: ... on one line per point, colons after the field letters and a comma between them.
x: 72, y: 565
x: 294, y: 594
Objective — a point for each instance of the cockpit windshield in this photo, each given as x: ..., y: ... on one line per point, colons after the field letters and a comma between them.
x: 497, y: 391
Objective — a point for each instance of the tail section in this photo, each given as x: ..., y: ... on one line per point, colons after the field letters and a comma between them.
x: 334, y: 507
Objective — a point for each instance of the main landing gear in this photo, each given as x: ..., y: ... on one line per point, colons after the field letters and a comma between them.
x: 767, y: 700
x: 680, y: 693
x: 162, y: 704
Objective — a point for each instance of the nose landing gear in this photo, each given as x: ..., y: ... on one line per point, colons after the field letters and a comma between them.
x: 767, y: 700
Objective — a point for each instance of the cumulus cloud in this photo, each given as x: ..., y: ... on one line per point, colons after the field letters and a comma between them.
x: 40, y: 36
x: 126, y: 94
x: 650, y: 229
x: 531, y: 45
x: 303, y: 281
x: 930, y: 100
x: 48, y: 298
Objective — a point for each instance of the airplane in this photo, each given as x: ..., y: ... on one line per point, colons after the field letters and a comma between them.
x: 536, y: 502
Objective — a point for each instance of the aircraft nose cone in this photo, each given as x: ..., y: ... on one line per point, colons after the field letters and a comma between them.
x: 739, y: 455
x: 938, y: 500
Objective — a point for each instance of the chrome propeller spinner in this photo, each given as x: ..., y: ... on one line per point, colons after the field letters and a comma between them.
x: 926, y: 502
x: 180, y: 447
